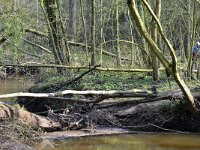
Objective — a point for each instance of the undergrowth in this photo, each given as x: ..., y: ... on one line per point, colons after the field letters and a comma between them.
x: 98, y: 80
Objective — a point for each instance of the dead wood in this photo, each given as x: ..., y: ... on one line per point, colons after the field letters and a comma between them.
x: 38, y: 46
x: 58, y: 85
x: 79, y: 67
x: 25, y: 117
x: 19, y: 49
x: 36, y: 32
x: 72, y: 43
x: 102, y: 94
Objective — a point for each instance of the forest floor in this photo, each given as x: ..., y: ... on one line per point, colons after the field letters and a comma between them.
x: 133, y: 114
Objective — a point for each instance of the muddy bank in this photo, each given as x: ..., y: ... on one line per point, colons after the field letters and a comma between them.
x: 16, y: 136
x: 10, y: 144
x: 63, y: 135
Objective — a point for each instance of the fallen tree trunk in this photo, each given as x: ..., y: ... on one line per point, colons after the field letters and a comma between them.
x: 114, y: 93
x: 72, y: 43
x: 80, y: 67
x: 39, y: 46
x: 9, y: 112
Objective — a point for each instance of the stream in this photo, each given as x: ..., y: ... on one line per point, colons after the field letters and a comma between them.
x: 111, y: 142
x: 14, y: 85
x: 130, y: 142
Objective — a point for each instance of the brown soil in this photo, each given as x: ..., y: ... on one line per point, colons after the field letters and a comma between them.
x: 15, y: 136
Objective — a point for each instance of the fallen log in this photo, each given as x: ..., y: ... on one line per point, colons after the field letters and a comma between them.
x: 19, y: 49
x: 106, y: 94
x: 25, y: 117
x: 72, y: 43
x: 36, y: 32
x: 79, y: 67
x: 37, y: 45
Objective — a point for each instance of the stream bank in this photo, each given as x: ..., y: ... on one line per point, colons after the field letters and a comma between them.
x: 127, y: 114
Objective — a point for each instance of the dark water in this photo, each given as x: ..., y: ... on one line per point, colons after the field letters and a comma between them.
x: 130, y: 142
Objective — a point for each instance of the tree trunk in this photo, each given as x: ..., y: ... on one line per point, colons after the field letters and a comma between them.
x: 85, y: 31
x: 93, y: 33
x: 172, y: 68
x: 72, y: 19
x: 157, y: 11
x: 117, y: 34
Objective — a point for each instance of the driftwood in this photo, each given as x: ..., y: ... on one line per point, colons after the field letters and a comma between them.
x: 9, y: 112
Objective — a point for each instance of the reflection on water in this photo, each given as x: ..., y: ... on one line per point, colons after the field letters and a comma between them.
x: 131, y: 142
x: 12, y: 86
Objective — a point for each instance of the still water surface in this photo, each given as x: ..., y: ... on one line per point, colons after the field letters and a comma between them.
x: 115, y: 142
x: 133, y: 142
x: 14, y: 85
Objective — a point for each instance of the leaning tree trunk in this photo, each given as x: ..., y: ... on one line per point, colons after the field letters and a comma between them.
x: 171, y: 67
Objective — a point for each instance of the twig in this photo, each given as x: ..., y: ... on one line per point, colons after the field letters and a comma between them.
x: 153, y: 125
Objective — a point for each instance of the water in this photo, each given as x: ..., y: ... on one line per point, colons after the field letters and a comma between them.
x: 130, y: 142
x: 14, y: 85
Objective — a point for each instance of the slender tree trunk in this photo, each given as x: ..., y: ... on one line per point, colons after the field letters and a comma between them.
x: 143, y: 43
x: 117, y: 34
x: 85, y: 31
x: 194, y: 17
x: 93, y: 33
x: 72, y: 19
x: 187, y: 39
x: 63, y: 39
x: 101, y: 32
x: 132, y: 40
x: 157, y: 11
